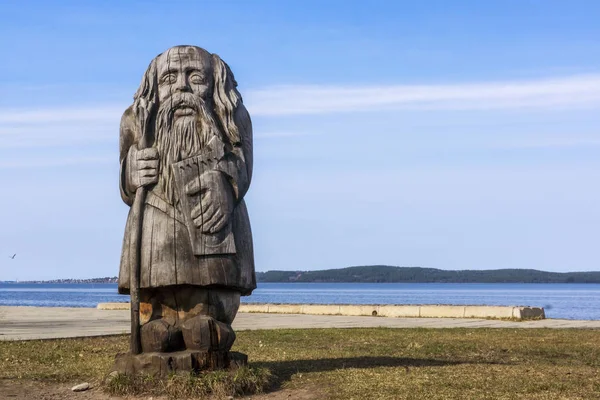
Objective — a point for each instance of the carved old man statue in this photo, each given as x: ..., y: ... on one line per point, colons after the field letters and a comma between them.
x: 187, y: 140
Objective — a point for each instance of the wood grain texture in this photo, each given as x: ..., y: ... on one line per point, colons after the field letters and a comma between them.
x: 173, y: 250
x: 186, y: 155
x: 165, y: 364
x: 193, y: 177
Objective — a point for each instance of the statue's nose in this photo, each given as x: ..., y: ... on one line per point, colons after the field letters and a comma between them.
x: 182, y: 84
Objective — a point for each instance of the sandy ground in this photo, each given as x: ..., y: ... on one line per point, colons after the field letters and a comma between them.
x: 30, y: 390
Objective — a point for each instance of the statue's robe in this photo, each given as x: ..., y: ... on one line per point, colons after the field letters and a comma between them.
x: 166, y: 253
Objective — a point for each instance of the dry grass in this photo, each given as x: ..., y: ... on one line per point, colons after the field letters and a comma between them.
x: 220, y: 384
x: 365, y: 363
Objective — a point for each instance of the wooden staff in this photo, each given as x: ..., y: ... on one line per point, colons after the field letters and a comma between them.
x: 135, y: 265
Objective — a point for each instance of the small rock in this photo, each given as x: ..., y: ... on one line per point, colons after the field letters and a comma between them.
x: 81, y: 387
x: 111, y: 376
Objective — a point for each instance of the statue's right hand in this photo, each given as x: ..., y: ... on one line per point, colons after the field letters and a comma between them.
x: 142, y: 167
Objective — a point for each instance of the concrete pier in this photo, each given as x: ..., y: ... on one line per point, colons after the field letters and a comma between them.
x: 389, y: 310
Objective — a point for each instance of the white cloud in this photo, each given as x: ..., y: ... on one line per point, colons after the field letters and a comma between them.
x: 39, y: 162
x: 61, y: 115
x: 281, y: 135
x: 54, y: 134
x: 58, y: 127
x: 570, y: 91
x: 69, y: 126
x: 548, y: 142
x: 575, y: 91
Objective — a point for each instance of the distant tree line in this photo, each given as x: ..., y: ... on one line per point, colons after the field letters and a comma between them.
x: 390, y: 274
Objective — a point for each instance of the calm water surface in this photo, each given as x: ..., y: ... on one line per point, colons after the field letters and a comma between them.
x: 570, y: 301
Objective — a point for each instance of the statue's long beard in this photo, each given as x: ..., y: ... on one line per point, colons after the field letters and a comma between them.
x: 178, y: 138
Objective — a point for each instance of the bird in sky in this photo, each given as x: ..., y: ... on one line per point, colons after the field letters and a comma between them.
x: 13, y: 256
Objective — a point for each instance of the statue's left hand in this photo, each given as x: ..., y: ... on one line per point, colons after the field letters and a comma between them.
x: 216, y: 206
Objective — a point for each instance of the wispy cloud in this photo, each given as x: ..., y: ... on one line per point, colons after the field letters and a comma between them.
x: 282, y: 135
x: 574, y: 91
x: 75, y: 126
x: 55, y: 134
x: 100, y: 113
x: 548, y: 142
x: 282, y: 100
x: 39, y: 162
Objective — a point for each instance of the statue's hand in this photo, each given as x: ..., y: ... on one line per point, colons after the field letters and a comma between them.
x: 141, y: 168
x: 216, y: 205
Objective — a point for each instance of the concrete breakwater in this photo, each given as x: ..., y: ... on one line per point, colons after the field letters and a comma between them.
x: 397, y: 311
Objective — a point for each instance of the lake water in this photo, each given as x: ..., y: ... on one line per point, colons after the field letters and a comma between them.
x: 570, y: 301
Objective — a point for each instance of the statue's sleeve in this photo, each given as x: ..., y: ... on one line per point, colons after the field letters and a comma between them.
x: 237, y: 165
x: 127, y: 138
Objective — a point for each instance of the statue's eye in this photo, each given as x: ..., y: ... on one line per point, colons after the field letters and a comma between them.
x: 197, y: 79
x: 169, y: 78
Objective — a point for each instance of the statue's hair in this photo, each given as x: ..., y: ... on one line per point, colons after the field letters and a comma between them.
x: 226, y: 100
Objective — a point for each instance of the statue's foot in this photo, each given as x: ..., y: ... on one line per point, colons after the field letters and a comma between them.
x: 206, y: 333
x: 159, y: 336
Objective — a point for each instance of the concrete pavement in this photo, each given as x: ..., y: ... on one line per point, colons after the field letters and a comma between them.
x: 24, y: 323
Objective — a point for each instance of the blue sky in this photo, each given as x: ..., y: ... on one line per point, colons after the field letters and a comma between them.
x: 453, y: 135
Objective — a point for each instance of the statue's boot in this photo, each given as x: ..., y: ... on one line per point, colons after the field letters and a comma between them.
x: 207, y: 334
x: 160, y: 336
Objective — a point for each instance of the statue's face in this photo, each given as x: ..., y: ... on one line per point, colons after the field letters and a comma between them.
x: 183, y: 72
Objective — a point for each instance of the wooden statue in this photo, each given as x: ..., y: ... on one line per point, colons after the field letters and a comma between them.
x: 186, y: 164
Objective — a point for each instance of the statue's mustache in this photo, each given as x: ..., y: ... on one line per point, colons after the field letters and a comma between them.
x: 184, y: 100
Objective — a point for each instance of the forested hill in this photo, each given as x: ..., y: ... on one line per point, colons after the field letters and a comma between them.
x: 384, y: 273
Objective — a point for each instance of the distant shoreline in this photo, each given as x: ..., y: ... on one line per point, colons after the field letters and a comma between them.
x: 59, y: 281
x: 391, y: 274
x: 295, y: 282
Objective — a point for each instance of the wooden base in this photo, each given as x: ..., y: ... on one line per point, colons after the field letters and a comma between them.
x: 163, y: 364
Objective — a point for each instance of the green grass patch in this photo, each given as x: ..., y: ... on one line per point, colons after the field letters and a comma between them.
x: 376, y: 363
